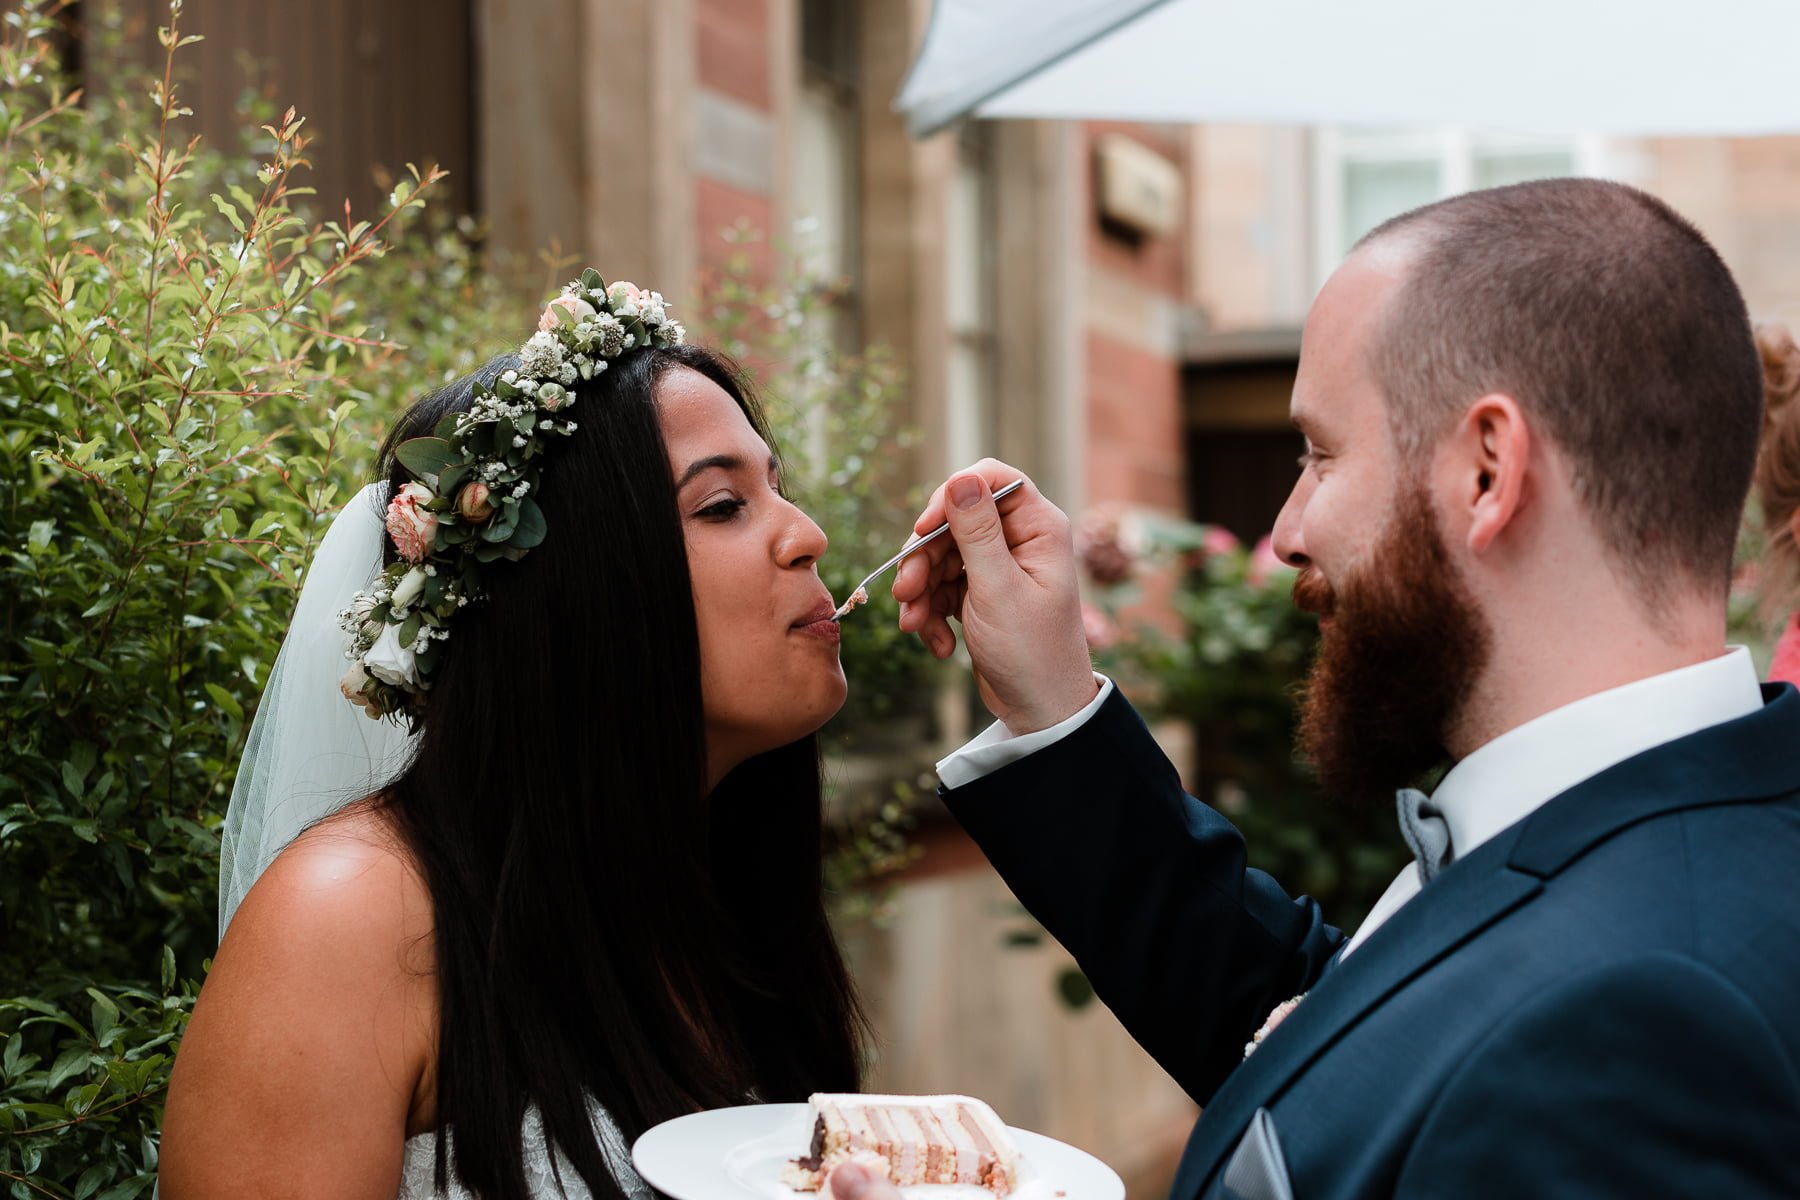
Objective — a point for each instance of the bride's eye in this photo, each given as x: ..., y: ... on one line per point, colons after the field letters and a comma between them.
x: 721, y: 510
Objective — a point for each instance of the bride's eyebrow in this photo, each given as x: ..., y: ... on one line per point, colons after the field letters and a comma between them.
x: 728, y: 462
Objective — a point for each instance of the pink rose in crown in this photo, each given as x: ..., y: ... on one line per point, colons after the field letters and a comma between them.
x: 472, y: 502
x: 580, y: 309
x: 1269, y: 1026
x: 409, y: 524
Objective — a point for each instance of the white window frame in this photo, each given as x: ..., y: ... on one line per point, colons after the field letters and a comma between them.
x: 1452, y: 147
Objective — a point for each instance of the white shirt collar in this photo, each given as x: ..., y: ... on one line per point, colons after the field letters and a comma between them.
x: 1516, y: 773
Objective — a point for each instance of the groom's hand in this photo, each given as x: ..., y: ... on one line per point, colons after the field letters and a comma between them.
x: 853, y: 1181
x: 1008, y: 576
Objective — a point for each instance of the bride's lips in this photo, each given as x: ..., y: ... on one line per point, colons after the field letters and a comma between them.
x: 818, y: 623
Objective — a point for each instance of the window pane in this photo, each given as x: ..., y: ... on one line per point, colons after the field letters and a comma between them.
x: 824, y: 184
x: 969, y: 248
x: 1495, y: 168
x: 1375, y: 191
x: 828, y: 40
x: 968, y: 401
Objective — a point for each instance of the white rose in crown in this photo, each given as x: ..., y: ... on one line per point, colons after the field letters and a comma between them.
x: 409, y: 587
x: 390, y: 662
x: 352, y: 685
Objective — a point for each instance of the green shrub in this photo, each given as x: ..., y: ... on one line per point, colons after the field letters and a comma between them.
x: 183, y: 358
x: 194, y: 376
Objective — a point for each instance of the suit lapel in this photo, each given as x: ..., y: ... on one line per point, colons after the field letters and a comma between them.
x: 1465, y: 899
x: 1739, y: 761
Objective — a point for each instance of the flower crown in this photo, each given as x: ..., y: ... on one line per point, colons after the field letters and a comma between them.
x: 470, y: 500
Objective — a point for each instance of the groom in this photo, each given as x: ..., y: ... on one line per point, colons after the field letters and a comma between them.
x: 1530, y: 417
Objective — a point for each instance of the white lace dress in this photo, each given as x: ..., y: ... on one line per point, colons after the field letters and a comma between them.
x: 421, y: 1162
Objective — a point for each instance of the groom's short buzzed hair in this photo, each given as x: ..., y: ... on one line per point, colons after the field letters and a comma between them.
x: 1621, y: 333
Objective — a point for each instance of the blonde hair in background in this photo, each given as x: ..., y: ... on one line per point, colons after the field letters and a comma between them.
x: 1777, y: 479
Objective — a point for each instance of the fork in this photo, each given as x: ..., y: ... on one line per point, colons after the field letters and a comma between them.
x: 860, y: 595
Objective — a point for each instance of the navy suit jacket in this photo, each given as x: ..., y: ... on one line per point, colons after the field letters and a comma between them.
x: 1602, y: 1000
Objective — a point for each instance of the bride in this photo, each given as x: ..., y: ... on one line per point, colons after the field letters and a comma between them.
x: 582, y: 895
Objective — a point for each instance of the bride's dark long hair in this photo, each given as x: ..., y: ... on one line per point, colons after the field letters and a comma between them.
x: 604, y: 927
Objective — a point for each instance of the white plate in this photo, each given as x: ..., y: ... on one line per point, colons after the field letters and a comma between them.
x: 738, y: 1153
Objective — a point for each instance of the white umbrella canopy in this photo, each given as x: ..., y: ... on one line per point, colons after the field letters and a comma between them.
x: 1645, y: 67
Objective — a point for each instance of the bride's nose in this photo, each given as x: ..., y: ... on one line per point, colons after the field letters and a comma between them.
x: 802, y: 542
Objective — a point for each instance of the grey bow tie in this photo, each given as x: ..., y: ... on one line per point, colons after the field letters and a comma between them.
x: 1425, y: 830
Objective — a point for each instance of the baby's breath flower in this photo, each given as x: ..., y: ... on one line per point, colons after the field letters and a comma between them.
x: 541, y: 357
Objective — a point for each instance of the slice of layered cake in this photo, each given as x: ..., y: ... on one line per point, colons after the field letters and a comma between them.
x: 924, y: 1139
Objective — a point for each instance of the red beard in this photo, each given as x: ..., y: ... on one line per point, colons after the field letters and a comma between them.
x: 1399, y: 656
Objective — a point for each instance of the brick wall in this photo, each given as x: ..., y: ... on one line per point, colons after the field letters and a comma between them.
x: 1133, y: 373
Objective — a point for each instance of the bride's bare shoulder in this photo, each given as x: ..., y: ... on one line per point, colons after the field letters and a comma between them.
x: 347, y: 880
x: 311, y: 1048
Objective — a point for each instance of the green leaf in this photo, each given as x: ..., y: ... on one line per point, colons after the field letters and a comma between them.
x: 91, y: 1179
x: 104, y: 604
x: 590, y: 279
x: 129, y: 1190
x: 231, y: 214
x: 168, y: 969
x: 530, y: 528
x: 73, y: 781
x: 9, y: 1061
x: 39, y: 539
x: 228, y: 521
x: 451, y: 478
x: 69, y: 1064
x: 226, y: 701
x: 105, y: 1015
x: 425, y: 457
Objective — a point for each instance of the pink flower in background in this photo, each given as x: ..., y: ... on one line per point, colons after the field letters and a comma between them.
x: 411, y: 527
x: 1264, y: 562
x: 1215, y: 541
x: 1100, y: 629
x: 1219, y: 540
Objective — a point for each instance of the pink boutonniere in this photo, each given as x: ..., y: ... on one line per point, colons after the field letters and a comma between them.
x: 1275, y: 1018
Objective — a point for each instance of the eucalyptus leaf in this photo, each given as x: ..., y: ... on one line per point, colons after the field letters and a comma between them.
x: 530, y: 529
x: 425, y: 456
x: 452, y: 478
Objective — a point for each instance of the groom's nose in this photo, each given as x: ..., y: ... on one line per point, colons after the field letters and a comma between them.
x: 1285, y: 538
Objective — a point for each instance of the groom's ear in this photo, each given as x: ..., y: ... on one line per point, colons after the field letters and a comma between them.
x: 1488, y: 456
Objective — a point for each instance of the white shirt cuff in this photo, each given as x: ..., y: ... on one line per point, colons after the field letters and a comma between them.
x: 996, y: 746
